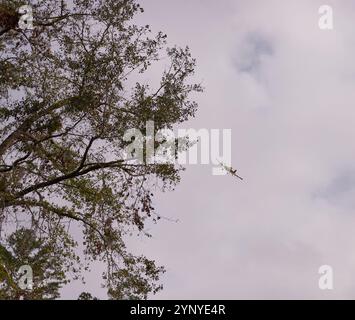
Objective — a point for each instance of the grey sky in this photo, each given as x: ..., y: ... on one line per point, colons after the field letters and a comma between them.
x: 286, y: 89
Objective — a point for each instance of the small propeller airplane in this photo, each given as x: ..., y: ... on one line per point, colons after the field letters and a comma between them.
x: 230, y: 170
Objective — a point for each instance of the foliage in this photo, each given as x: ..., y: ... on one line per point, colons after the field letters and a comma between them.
x: 69, y: 90
x: 48, y: 259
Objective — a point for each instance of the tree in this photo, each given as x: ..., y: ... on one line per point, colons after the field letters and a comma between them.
x: 48, y: 262
x: 66, y: 100
x: 86, y: 296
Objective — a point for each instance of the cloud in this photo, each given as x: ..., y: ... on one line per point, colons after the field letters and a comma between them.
x: 252, y: 51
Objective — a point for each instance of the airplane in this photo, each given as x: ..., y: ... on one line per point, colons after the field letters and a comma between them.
x: 232, y: 171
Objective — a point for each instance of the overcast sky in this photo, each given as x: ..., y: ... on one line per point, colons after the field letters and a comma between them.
x: 287, y: 91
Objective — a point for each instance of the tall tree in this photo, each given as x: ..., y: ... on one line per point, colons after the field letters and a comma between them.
x: 69, y: 90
